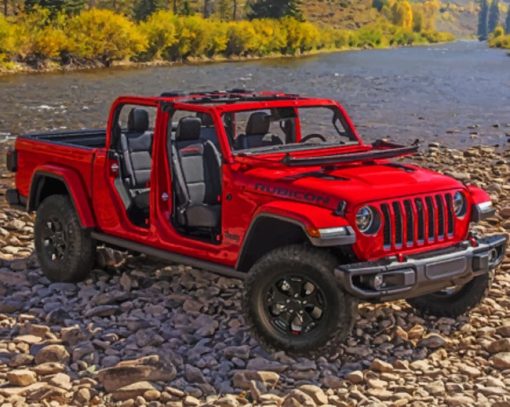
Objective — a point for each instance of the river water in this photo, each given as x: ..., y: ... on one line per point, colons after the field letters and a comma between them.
x: 457, y: 94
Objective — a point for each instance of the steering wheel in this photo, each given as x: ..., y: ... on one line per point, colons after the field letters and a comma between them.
x: 312, y: 136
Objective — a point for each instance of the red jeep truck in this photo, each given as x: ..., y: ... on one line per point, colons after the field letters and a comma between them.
x: 273, y: 188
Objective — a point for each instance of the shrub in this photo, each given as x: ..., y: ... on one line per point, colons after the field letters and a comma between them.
x: 218, y: 38
x: 501, y: 41
x: 7, y: 40
x: 242, y: 38
x: 192, y: 37
x: 40, y: 37
x: 160, y: 31
x: 294, y: 35
x: 102, y: 35
x: 271, y: 36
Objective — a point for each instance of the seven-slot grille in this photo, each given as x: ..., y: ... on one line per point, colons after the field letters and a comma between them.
x: 410, y: 222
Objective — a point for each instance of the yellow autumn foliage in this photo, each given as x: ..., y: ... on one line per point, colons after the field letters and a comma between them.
x: 103, y: 36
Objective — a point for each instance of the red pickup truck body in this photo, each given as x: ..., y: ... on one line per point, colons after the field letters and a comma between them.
x: 313, y: 189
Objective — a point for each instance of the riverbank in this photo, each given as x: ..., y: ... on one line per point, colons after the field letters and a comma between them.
x: 141, y: 332
x: 55, y: 68
x: 101, y: 38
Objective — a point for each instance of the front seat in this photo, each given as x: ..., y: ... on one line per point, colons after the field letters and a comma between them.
x: 136, y: 147
x: 257, y: 133
x: 197, y: 177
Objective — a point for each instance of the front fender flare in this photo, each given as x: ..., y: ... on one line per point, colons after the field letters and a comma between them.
x: 75, y: 188
x: 310, y: 218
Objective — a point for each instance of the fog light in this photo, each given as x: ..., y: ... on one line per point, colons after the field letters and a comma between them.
x: 377, y: 281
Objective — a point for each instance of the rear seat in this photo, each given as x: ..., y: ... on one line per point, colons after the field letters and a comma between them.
x: 136, y: 146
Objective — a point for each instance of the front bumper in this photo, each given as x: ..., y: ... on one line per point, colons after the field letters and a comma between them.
x: 422, y: 274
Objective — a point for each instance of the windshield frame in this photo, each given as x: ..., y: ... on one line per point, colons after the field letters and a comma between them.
x: 295, y: 104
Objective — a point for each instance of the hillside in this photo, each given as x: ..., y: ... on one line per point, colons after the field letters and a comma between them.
x: 349, y: 14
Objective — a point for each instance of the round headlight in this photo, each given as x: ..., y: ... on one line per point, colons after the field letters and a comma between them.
x: 367, y: 220
x: 459, y: 204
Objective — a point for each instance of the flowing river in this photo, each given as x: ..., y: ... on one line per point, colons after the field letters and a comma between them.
x: 457, y: 94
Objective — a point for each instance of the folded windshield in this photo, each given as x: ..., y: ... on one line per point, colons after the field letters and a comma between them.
x: 286, y: 129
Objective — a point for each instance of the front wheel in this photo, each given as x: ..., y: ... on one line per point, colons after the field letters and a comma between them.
x: 65, y: 250
x: 292, y: 302
x: 453, y: 301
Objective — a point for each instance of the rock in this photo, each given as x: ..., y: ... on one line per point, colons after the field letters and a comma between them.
x: 332, y: 382
x: 460, y: 400
x: 20, y: 359
x: 298, y: 398
x: 82, y: 396
x: 193, y: 374
x: 34, y: 329
x: 501, y: 360
x: 49, y: 368
x: 380, y: 366
x: 242, y: 378
x: 501, y: 345
x: 61, y: 380
x: 432, y: 341
x: 132, y: 391
x: 469, y: 370
x: 52, y: 353
x: 132, y: 371
x: 355, y: 377
x: 22, y: 391
x: 191, y: 401
x: 31, y: 339
x: 241, y: 352
x: 504, y: 330
x: 315, y: 392
x: 83, y: 349
x: 12, y: 278
x: 72, y: 335
x: 416, y: 332
x: 21, y: 377
x: 102, y: 311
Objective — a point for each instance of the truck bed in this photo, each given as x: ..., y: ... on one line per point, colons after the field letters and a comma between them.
x: 72, y: 150
x: 89, y: 138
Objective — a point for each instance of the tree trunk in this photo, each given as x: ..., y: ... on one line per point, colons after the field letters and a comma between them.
x: 206, y: 8
x: 5, y: 7
x: 234, y: 11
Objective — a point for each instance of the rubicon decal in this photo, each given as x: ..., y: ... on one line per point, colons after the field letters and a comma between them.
x: 292, y: 193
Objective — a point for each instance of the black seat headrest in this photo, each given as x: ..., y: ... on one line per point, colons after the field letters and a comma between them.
x: 206, y: 119
x: 188, y: 129
x: 258, y: 123
x: 138, y: 120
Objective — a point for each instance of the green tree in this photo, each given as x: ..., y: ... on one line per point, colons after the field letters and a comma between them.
x: 55, y: 6
x: 144, y: 8
x: 507, y: 22
x: 483, y: 20
x: 275, y: 9
x: 493, y: 16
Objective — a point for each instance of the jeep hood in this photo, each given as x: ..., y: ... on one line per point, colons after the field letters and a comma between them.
x: 355, y: 184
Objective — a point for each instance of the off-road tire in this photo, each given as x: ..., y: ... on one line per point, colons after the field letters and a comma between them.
x: 77, y: 255
x: 310, y: 264
x: 456, y: 304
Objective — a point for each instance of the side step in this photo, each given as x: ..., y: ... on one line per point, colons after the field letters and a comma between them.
x: 170, y: 256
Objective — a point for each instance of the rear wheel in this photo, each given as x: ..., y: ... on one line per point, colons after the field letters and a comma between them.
x: 292, y: 302
x: 65, y: 250
x: 453, y: 301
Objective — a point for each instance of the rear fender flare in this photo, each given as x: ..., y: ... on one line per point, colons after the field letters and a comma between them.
x: 74, y: 186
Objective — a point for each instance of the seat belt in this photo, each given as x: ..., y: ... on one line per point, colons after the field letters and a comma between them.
x: 181, y: 187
